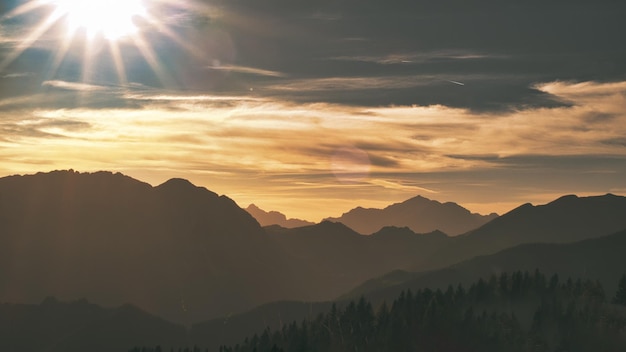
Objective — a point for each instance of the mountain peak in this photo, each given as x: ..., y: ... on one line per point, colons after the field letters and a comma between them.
x: 416, y: 200
x: 177, y: 183
x: 252, y: 207
x: 567, y: 218
x: 566, y: 198
x: 573, y: 200
x: 267, y: 218
x: 420, y: 214
x: 183, y: 187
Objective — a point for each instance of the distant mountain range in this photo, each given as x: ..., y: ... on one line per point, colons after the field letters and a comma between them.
x: 567, y: 219
x: 186, y: 254
x: 342, y: 258
x: 419, y: 214
x: 275, y: 218
x: 599, y: 259
x: 79, y: 325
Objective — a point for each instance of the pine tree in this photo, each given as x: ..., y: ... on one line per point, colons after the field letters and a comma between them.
x: 620, y: 296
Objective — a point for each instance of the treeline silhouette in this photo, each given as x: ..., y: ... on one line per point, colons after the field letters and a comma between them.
x: 516, y: 312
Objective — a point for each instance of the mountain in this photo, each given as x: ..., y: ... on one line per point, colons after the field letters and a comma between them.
x: 599, y: 259
x: 176, y: 250
x: 233, y: 329
x: 77, y: 326
x: 566, y: 219
x: 186, y: 254
x: 275, y: 218
x: 419, y: 214
x: 340, y: 258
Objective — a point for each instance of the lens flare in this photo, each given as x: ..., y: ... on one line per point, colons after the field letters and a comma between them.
x: 113, y: 19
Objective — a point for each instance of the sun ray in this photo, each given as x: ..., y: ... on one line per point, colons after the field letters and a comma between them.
x: 175, y: 37
x: 61, y: 54
x: 87, y: 61
x: 97, y: 23
x: 25, y: 8
x: 118, y: 62
x: 32, y: 38
x: 153, y: 61
x: 112, y: 19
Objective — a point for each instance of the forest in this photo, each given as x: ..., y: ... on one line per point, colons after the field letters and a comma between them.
x: 521, y: 312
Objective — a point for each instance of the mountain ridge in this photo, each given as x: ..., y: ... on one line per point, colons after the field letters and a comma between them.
x: 599, y: 258
x: 603, y: 260
x: 267, y: 218
x: 179, y: 251
x: 187, y: 254
x: 420, y: 214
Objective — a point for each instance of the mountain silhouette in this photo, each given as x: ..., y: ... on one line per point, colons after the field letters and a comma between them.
x: 76, y: 326
x: 340, y: 257
x: 176, y: 250
x: 566, y: 219
x: 599, y: 259
x: 419, y: 214
x: 275, y: 218
x: 187, y: 254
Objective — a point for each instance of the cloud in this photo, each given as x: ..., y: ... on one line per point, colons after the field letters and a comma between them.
x: 352, y: 83
x: 75, y: 86
x: 246, y: 70
x: 17, y: 75
x: 419, y: 57
x: 189, y: 98
x: 401, y: 186
x: 249, y: 147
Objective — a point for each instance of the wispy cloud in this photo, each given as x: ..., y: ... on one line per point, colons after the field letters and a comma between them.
x: 257, y: 149
x: 413, y: 58
x: 354, y: 83
x: 189, y: 98
x: 18, y: 75
x: 76, y: 86
x: 247, y: 70
x: 401, y: 186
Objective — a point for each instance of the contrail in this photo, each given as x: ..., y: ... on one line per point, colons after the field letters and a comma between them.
x: 455, y: 82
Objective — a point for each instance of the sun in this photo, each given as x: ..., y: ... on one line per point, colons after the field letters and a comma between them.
x: 124, y: 27
x: 113, y: 19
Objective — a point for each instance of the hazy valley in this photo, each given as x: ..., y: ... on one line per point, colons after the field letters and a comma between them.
x: 182, y: 253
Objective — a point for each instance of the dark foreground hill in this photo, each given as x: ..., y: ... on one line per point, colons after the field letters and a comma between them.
x: 419, y: 214
x: 176, y: 250
x: 55, y: 326
x: 517, y: 311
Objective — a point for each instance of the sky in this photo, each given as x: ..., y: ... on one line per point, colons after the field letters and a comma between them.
x: 312, y: 108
